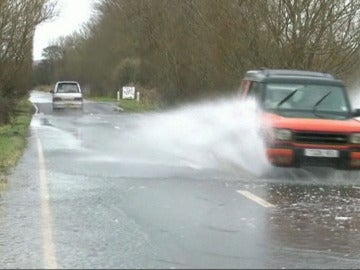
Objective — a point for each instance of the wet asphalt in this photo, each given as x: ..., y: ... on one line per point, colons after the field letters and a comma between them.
x: 86, y: 194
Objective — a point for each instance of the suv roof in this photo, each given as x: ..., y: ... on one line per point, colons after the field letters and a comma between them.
x: 265, y: 74
x: 64, y: 82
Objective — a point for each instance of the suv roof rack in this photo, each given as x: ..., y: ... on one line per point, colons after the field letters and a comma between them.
x: 293, y: 72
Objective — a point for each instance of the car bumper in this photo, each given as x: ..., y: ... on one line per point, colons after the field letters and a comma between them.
x: 295, y: 157
x: 67, y: 104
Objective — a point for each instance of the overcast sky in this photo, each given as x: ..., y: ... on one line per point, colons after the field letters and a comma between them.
x: 72, y: 14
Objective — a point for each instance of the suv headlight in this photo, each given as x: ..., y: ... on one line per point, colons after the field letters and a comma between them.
x: 355, y: 138
x: 283, y: 134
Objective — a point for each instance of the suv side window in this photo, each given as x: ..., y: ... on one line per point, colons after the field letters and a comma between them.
x: 255, y: 91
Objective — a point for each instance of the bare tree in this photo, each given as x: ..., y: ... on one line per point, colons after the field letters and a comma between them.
x: 191, y: 48
x: 18, y: 20
x: 311, y: 34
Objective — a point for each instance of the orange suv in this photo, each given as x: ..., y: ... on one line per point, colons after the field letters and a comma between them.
x: 310, y: 118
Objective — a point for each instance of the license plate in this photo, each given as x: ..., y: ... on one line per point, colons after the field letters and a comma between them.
x: 321, y: 153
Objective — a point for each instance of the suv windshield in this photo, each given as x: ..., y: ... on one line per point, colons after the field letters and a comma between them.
x: 306, y: 100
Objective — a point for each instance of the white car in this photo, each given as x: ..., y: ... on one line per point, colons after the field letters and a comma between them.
x: 67, y: 94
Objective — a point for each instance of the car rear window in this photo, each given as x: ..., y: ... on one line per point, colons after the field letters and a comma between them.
x: 67, y: 88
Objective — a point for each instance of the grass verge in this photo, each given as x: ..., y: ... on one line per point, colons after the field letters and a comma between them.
x: 13, y: 137
x: 136, y: 106
x: 102, y: 99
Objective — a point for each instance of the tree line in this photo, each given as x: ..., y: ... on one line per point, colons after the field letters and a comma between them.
x: 184, y: 49
x: 18, y: 19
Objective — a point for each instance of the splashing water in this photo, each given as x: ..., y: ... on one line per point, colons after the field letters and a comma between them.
x: 217, y: 134
x: 222, y: 134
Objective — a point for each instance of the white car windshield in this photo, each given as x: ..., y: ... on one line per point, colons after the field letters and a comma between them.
x: 67, y: 88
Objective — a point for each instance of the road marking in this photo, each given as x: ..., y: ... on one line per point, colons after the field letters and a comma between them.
x: 46, y: 219
x: 36, y: 108
x: 255, y: 198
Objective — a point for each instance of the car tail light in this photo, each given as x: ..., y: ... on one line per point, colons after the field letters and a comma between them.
x: 355, y: 159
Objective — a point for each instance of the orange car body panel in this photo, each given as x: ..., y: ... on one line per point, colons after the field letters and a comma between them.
x: 312, y: 124
x: 282, y: 153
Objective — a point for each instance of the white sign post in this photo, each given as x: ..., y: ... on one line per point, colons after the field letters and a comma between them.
x: 128, y: 92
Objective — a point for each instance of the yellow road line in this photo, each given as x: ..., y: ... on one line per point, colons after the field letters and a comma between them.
x: 46, y: 218
x: 255, y: 198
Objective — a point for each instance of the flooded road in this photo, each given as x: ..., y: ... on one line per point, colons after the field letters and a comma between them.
x: 101, y: 188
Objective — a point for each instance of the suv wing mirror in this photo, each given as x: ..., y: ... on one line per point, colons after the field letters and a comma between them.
x: 356, y: 113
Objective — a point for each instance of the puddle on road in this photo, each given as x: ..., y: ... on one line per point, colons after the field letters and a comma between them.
x: 53, y: 137
x: 313, y: 176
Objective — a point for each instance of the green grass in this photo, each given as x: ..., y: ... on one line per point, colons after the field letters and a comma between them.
x: 13, y: 137
x: 102, y: 99
x: 136, y: 106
